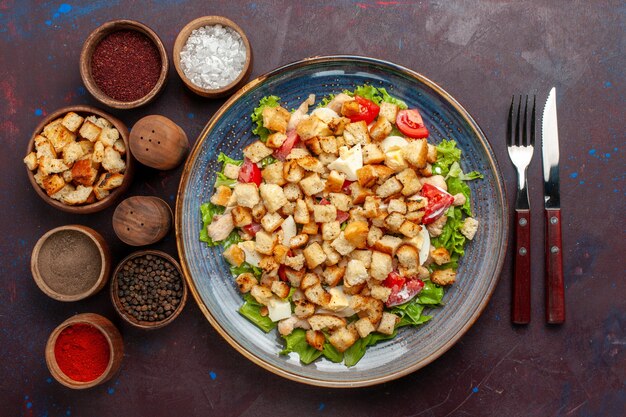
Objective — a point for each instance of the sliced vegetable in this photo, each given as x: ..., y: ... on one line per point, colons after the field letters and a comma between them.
x: 368, y: 110
x: 411, y: 124
x: 285, y: 149
x: 250, y: 172
x: 402, y: 289
x: 252, y: 228
x: 438, y: 202
x: 251, y: 310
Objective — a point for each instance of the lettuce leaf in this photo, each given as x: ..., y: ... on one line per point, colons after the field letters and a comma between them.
x: 355, y: 352
x: 257, y: 116
x: 324, y: 101
x: 245, y: 267
x: 225, y: 159
x: 296, y: 342
x: 447, y: 154
x: 224, y: 180
x: 207, y: 211
x: 377, y: 95
x: 268, y: 160
x: 451, y: 238
x: 251, y: 311
x: 431, y: 294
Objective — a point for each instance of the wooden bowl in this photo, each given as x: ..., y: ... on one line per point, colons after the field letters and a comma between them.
x: 147, y: 325
x: 181, y: 40
x: 41, y: 267
x: 87, y: 52
x: 142, y: 220
x: 128, y: 173
x: 158, y: 142
x: 113, y: 337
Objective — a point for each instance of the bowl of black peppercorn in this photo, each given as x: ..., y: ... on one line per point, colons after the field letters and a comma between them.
x: 148, y: 289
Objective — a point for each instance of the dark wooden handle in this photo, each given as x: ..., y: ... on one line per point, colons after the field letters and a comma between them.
x: 555, y: 291
x: 521, y: 277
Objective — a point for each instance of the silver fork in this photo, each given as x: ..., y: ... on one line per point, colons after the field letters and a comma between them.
x: 521, y: 144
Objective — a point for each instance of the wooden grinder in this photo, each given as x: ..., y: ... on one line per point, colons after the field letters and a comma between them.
x: 158, y: 142
x: 142, y: 220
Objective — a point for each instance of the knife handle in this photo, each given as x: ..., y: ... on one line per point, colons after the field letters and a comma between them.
x: 555, y: 293
x: 521, y: 277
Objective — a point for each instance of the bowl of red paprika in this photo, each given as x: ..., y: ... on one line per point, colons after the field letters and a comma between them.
x: 124, y: 64
x: 84, y: 351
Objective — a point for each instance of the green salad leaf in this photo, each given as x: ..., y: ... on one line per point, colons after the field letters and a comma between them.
x: 207, y: 211
x: 225, y: 159
x: 224, y: 180
x: 431, y: 294
x: 447, y: 154
x: 257, y: 116
x: 355, y: 352
x: 268, y: 160
x: 377, y: 95
x: 296, y: 342
x: 245, y: 267
x: 251, y: 310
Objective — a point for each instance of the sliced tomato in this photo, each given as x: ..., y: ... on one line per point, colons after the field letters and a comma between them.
x: 368, y: 110
x: 346, y: 186
x: 324, y: 202
x: 249, y: 172
x: 406, y: 292
x: 411, y: 124
x: 438, y: 202
x: 252, y: 228
x: 342, y: 216
x: 281, y: 273
x: 285, y: 149
x: 394, y: 280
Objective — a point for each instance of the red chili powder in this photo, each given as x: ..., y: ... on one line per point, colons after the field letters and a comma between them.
x: 126, y: 65
x: 82, y: 352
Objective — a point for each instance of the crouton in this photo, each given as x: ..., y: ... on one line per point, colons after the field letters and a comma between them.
x: 275, y: 140
x: 337, y: 125
x: 389, y: 111
x: 317, y: 295
x: 443, y: 277
x: 59, y: 136
x: 297, y: 153
x: 328, y: 144
x: 374, y: 235
x: 410, y: 183
x: 332, y: 256
x: 310, y: 279
x: 380, y: 292
x: 78, y: 196
x: 314, y: 255
x: 350, y: 108
x: 100, y: 193
x: 367, y: 176
x: 326, y: 322
x: 234, y: 255
x: 72, y: 121
x: 273, y: 174
x: 356, y: 273
x: 231, y: 170
x: 310, y: 228
x: 312, y: 127
x: 112, y: 161
x: 53, y: 183
x: 245, y: 281
x: 381, y: 129
x: 356, y: 233
x: 109, y: 136
x: 312, y: 184
x: 395, y: 161
x: 298, y: 241
x: 314, y: 146
x: 388, y: 323
x: 341, y: 201
x: 52, y: 166
x: 394, y: 221
x: 342, y: 245
x: 372, y: 154
x: 333, y: 274
x: 388, y: 188
x: 459, y: 199
x: 63, y: 192
x: 90, y: 131
x: 330, y: 230
x: 383, y: 172
x: 275, y: 119
x: 88, y: 147
x: 292, y: 191
x: 44, y: 148
x: 335, y: 181
x: 343, y: 338
x: 469, y: 227
x: 364, y: 327
x: 311, y: 163
x: 315, y: 339
x: 119, y: 146
x: 67, y: 176
x: 241, y: 216
x: 359, y: 193
x: 301, y: 213
x: 292, y: 172
x: 431, y: 155
x: 271, y: 222
x: 246, y: 194
x: 356, y: 133
x: 382, y: 265
x: 416, y: 153
x: 440, y: 255
x: 388, y: 244
x: 264, y: 242
x: 324, y: 213
x: 408, y: 256
x: 436, y: 228
x: 371, y: 207
x: 426, y: 171
x: 258, y: 211
x: 261, y: 294
x: 396, y: 205
x: 280, y: 288
x: 221, y: 196
x: 31, y: 161
x: 368, y: 307
x: 256, y: 151
x: 270, y: 267
x: 304, y: 309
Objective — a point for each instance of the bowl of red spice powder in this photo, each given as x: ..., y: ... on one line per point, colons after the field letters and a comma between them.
x: 84, y: 351
x: 124, y: 64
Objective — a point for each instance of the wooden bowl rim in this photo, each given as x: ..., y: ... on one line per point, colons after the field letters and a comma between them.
x: 108, y: 200
x: 115, y: 349
x: 105, y: 258
x: 147, y: 325
x: 151, y: 197
x: 89, y: 46
x: 181, y: 39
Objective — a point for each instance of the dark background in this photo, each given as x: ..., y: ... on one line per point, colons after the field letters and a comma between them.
x: 481, y: 52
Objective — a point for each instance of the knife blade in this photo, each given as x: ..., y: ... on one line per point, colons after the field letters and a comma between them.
x: 555, y: 297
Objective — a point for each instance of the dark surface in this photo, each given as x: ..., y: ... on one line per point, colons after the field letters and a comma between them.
x: 480, y: 52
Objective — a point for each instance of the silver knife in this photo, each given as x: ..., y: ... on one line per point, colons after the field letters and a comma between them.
x: 555, y: 298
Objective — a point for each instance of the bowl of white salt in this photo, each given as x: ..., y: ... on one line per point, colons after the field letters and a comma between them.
x: 212, y: 56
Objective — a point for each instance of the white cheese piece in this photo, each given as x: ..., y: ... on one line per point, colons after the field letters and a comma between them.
x: 425, y: 249
x: 289, y: 230
x: 391, y: 143
x: 349, y: 161
x: 324, y: 114
x: 251, y: 255
x: 279, y: 309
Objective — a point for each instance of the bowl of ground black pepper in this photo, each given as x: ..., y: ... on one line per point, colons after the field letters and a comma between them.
x: 148, y: 289
x: 124, y: 64
x: 70, y: 263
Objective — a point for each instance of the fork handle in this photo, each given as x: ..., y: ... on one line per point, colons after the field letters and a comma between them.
x: 521, y: 277
x: 555, y: 297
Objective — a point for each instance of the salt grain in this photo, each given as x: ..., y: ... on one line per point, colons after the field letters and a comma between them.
x: 213, y: 56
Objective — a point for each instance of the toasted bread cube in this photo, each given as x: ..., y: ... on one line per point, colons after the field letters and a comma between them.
x: 356, y: 233
x: 98, y: 152
x: 312, y: 184
x: 380, y: 292
x: 312, y: 127
x: 50, y: 128
x: 295, y: 262
x: 222, y: 196
x: 53, y: 183
x: 264, y: 242
x: 303, y: 309
x: 364, y: 256
x: 382, y: 265
x: 314, y: 255
x: 242, y: 216
x: 374, y: 235
x: 440, y: 256
x: 443, y: 277
x: 350, y: 108
x: 52, y: 166
x: 409, y: 229
x: 394, y: 221
x: 261, y: 294
x: 330, y: 230
x: 280, y: 288
x: 431, y: 155
x: 342, y: 245
x: 311, y: 163
x: 109, y: 136
x: 310, y: 279
x: 383, y: 172
x: 337, y: 125
x: 118, y: 146
x: 72, y: 121
x: 88, y: 147
x: 31, y: 161
x: 367, y: 176
x: 371, y: 207
x: 67, y: 176
x: 317, y: 295
x: 459, y: 199
x: 258, y: 211
x: 245, y: 281
x: 275, y: 119
x: 332, y: 256
x: 436, y: 180
x: 328, y: 144
x: 325, y: 321
x: 231, y: 170
x: 416, y: 153
x: 100, y: 193
x: 381, y: 129
x: 395, y: 161
x: 108, y: 181
x: 355, y: 133
x: 359, y: 193
x: 78, y: 196
x: 63, y: 192
x: 292, y: 192
x: 314, y: 146
x: 343, y: 338
x: 298, y: 241
x: 387, y: 323
x: 246, y: 194
x: 275, y: 140
x: 44, y: 148
x: 292, y: 172
x: 271, y: 222
x: 39, y: 177
x: 297, y: 153
x: 273, y: 197
x: 333, y: 274
x: 410, y: 183
x: 234, y: 255
x: 335, y: 181
x: 388, y: 244
x: 256, y: 151
x: 310, y: 228
x: 301, y: 213
x: 59, y: 136
x: 324, y: 213
x: 102, y: 122
x: 426, y: 171
x: 408, y: 256
x: 273, y: 174
x: 341, y: 201
x: 90, y: 131
x: 389, y: 111
x: 397, y: 205
x: 72, y: 152
x: 372, y: 154
x: 388, y: 188
x: 469, y: 227
x: 315, y: 339
x: 113, y: 161
x: 84, y: 173
x: 356, y: 273
x: 364, y: 327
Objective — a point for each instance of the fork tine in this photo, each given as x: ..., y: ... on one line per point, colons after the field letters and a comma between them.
x: 509, y: 125
x: 532, y: 123
x: 517, y: 123
x: 525, y: 124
